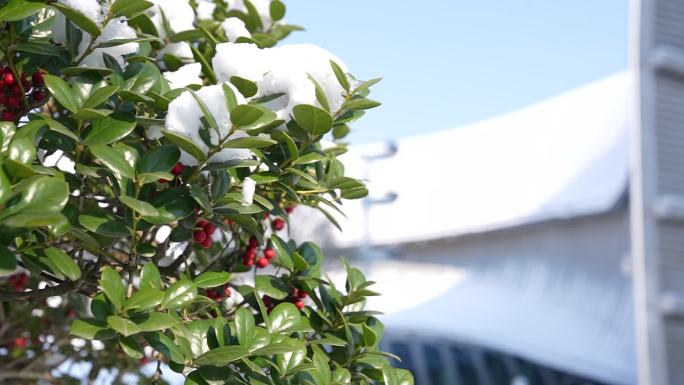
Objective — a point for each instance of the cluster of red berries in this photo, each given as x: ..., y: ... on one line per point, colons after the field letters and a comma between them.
x: 250, y: 256
x: 204, y: 233
x: 19, y: 281
x: 296, y: 298
x: 219, y: 295
x: 176, y: 170
x: 12, y: 96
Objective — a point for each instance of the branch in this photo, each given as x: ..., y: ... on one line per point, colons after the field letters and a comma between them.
x: 63, y: 288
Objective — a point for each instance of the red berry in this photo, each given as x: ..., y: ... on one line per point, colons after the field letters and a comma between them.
x: 144, y: 360
x: 290, y: 209
x: 207, y: 242
x: 7, y: 116
x: 178, y: 168
x: 14, y: 102
x: 269, y: 253
x: 302, y: 294
x: 226, y: 291
x: 249, y: 262
x: 299, y: 304
x: 38, y: 96
x: 253, y: 242
x: 37, y: 78
x: 250, y: 253
x: 209, y: 228
x: 3, y: 98
x: 278, y: 224
x: 199, y: 236
x: 202, y: 223
x: 262, y: 262
x: 268, y: 301
x: 8, y: 78
x: 162, y: 180
x: 295, y: 291
x: 16, y: 90
x: 70, y: 313
x: 21, y: 342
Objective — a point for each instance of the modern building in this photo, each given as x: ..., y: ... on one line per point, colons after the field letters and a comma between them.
x: 505, y: 256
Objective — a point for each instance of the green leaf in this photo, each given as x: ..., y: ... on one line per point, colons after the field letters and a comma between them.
x: 180, y: 294
x: 271, y: 286
x: 122, y: 325
x: 185, y: 144
x: 162, y: 158
x: 129, y: 8
x: 80, y: 70
x: 107, y: 225
x: 143, y: 208
x: 64, y: 263
x: 246, y: 87
x: 277, y: 10
x: 61, y: 91
x: 311, y: 157
x: 360, y: 104
x: 16, y: 10
x: 8, y: 263
x: 113, y: 160
x: 230, y: 98
x: 91, y: 329
x: 340, y: 75
x: 288, y: 361
x: 79, y: 19
x: 222, y: 356
x: 245, y: 114
x: 249, y: 142
x: 99, y: 96
x: 212, y: 279
x: 110, y: 128
x: 157, y: 321
x: 282, y: 252
x: 244, y: 326
x: 131, y: 347
x: 145, y: 298
x: 149, y: 277
x: 312, y: 119
x: 285, y: 316
x: 205, y: 112
x: 366, y: 85
x: 206, y: 67
x: 113, y: 287
x: 92, y: 114
x: 166, y: 346
x: 38, y: 47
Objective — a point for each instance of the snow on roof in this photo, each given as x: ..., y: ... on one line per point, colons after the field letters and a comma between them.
x: 563, y: 157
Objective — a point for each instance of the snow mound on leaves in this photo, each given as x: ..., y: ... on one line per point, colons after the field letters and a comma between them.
x: 115, y: 29
x: 184, y: 117
x: 235, y: 28
x: 184, y: 76
x: 284, y: 69
x: 169, y: 17
x: 263, y: 8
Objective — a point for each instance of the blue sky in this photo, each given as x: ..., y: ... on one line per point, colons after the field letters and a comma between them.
x: 452, y: 62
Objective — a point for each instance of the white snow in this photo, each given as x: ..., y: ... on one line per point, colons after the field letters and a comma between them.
x: 179, y: 17
x: 184, y: 76
x: 205, y: 9
x: 263, y: 8
x: 184, y: 118
x: 248, y: 187
x: 115, y: 29
x: 282, y: 69
x: 235, y: 28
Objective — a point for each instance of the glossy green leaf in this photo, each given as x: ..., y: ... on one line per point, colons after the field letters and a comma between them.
x: 103, y: 224
x: 271, y: 286
x: 249, y: 142
x: 221, y: 356
x: 79, y: 19
x: 245, y: 114
x: 157, y: 321
x: 110, y: 128
x: 212, y: 279
x: 99, y: 96
x: 123, y: 326
x: 129, y: 8
x: 180, y: 294
x: 277, y: 10
x: 340, y: 75
x: 162, y: 158
x: 16, y: 10
x: 113, y: 160
x: 149, y: 277
x: 113, y: 287
x: 91, y: 329
x: 131, y: 347
x: 186, y: 144
x: 145, y: 298
x: 64, y: 263
x: 141, y: 207
x: 246, y: 87
x: 312, y: 119
x: 284, y: 317
x: 244, y: 326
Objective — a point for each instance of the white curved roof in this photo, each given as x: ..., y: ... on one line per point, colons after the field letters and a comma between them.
x: 563, y: 157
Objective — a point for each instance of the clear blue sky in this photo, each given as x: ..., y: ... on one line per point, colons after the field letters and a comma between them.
x: 447, y: 63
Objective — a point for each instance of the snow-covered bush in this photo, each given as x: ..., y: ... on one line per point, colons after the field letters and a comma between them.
x: 150, y: 155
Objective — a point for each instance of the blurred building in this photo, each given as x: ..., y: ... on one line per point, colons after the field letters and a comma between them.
x: 504, y: 258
